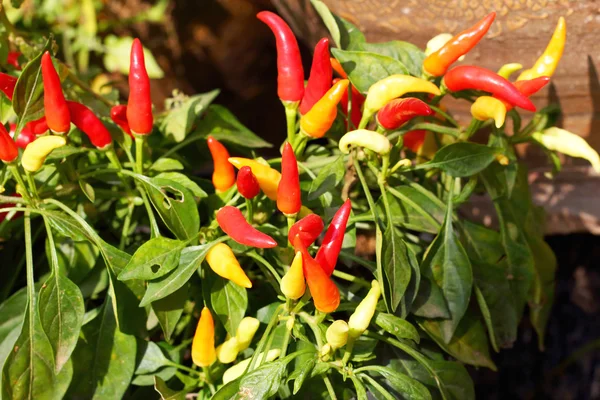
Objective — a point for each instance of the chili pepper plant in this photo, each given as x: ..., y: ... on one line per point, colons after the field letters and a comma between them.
x: 129, y: 269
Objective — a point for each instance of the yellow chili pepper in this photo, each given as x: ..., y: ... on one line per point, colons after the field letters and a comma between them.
x: 292, y: 284
x: 228, y: 351
x: 568, y: 143
x: 238, y: 369
x: 203, y: 345
x: 267, y: 177
x: 546, y: 64
x: 487, y: 107
x: 337, y: 334
x: 507, y: 70
x: 361, y: 318
x: 392, y: 87
x: 36, y: 152
x: 245, y: 332
x: 222, y: 261
x: 319, y: 119
x: 364, y: 138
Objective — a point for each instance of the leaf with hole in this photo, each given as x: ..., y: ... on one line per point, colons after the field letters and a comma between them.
x: 155, y: 258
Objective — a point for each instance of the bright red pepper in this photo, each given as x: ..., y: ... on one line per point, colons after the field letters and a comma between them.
x: 323, y: 290
x: 334, y: 237
x: 307, y: 229
x: 13, y: 59
x: 7, y: 84
x: 38, y: 127
x: 247, y: 184
x: 288, y: 191
x: 319, y: 80
x: 234, y: 224
x: 87, y: 122
x: 26, y: 135
x: 55, y: 105
x: 529, y: 87
x: 119, y: 116
x: 8, y: 148
x: 223, y: 175
x: 290, y: 79
x: 470, y: 77
x: 399, y: 111
x: 437, y: 63
x: 357, y: 102
x: 413, y: 140
x: 139, y: 104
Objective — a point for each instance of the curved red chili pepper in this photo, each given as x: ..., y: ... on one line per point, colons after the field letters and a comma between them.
x: 55, y: 105
x: 289, y: 201
x: 119, y: 116
x: 13, y: 59
x: 223, y: 176
x: 413, y: 140
x: 247, y: 184
x: 139, y: 104
x: 290, y: 79
x: 319, y: 80
x: 90, y: 124
x: 323, y: 290
x: 38, y: 127
x: 8, y: 148
x: 438, y: 62
x: 307, y: 229
x: 334, y: 237
x: 357, y: 102
x: 529, y: 87
x: 234, y: 224
x: 399, y: 111
x: 7, y: 84
x: 467, y: 77
x: 25, y: 137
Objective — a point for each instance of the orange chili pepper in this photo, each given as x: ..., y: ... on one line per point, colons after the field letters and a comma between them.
x: 203, y: 345
x: 321, y: 116
x: 224, y: 175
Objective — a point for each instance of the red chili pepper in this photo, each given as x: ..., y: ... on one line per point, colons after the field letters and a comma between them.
x: 399, y: 111
x: 247, y: 184
x: 55, y: 105
x: 119, y: 116
x: 470, y: 77
x: 26, y: 135
x: 7, y: 84
x: 319, y: 80
x: 38, y: 127
x: 90, y: 124
x: 8, y: 148
x: 325, y: 293
x: 288, y: 191
x: 307, y: 229
x: 223, y: 175
x: 139, y: 104
x: 290, y: 80
x: 529, y: 87
x: 337, y: 67
x: 234, y: 224
x: 13, y: 59
x: 437, y: 63
x: 413, y: 140
x: 334, y: 237
x: 357, y: 102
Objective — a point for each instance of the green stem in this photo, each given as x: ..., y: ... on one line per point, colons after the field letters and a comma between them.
x: 286, y: 338
x: 310, y: 321
x: 368, y: 195
x: 32, y: 185
x: 75, y: 79
x: 14, y: 170
x: 351, y: 278
x: 290, y: 119
x: 249, y: 211
x: 263, y: 340
x: 348, y: 351
x: 445, y: 115
x: 29, y: 269
x: 182, y: 367
x: 473, y: 127
x: 266, y: 264
x: 444, y: 130
x: 12, y: 200
x: 126, y: 225
x: 329, y: 388
x: 140, y: 140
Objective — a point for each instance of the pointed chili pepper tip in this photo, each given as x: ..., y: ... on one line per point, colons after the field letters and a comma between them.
x: 139, y: 104
x: 223, y: 175
x: 55, y: 105
x: 233, y: 223
x: 289, y: 199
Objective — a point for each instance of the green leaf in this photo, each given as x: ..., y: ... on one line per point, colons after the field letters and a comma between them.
x: 453, y: 380
x: 404, y: 386
x: 263, y: 382
x: 413, y: 210
x: 469, y: 343
x: 191, y: 258
x: 181, y: 119
x: 396, y: 326
x: 61, y: 311
x: 104, y: 359
x: 176, y: 206
x: 328, y: 178
x: 407, y: 53
x: 220, y: 123
x: 166, y: 164
x: 301, y: 374
x: 165, y: 393
x: 185, y: 182
x: 447, y: 264
x: 11, y: 313
x: 116, y: 57
x: 229, y: 301
x: 155, y: 258
x: 395, y: 265
x: 462, y: 159
x: 430, y: 302
x: 152, y: 357
x: 365, y: 68
x: 330, y: 22
x: 228, y: 391
x: 168, y: 310
x: 88, y: 190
